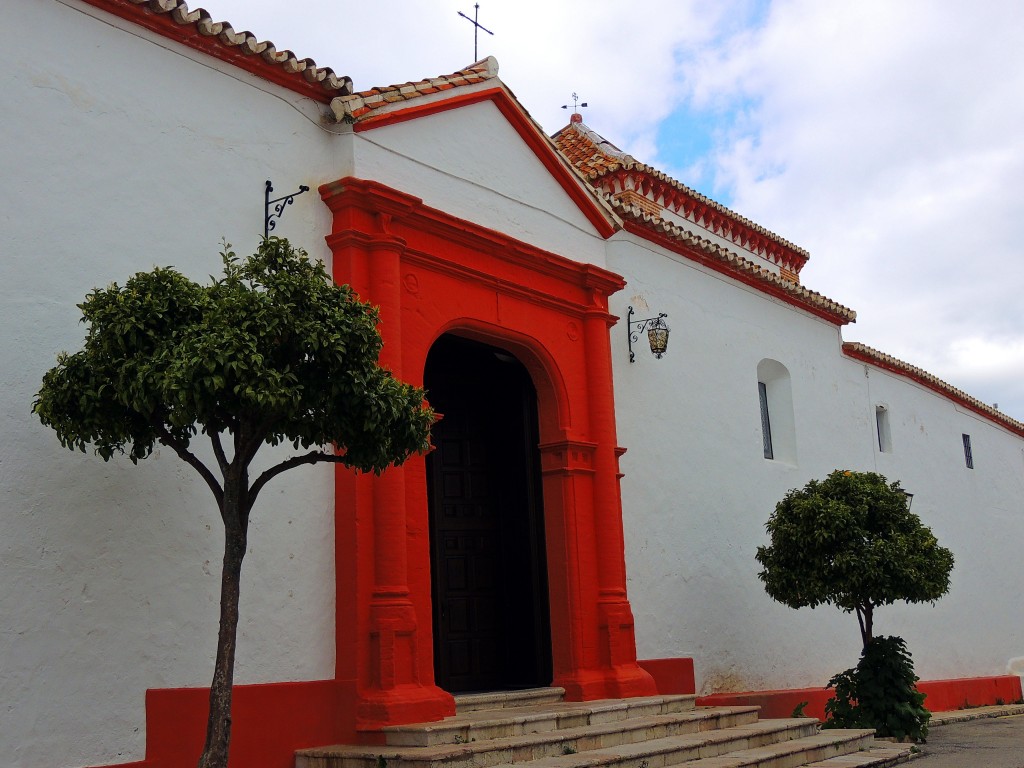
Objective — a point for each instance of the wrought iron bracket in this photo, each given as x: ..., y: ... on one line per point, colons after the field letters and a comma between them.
x: 279, y: 204
x: 635, y: 327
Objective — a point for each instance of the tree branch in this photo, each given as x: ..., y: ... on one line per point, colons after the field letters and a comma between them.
x: 313, y: 457
x: 189, y: 458
x: 218, y: 450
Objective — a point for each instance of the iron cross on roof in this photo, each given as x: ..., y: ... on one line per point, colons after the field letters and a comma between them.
x: 476, y: 28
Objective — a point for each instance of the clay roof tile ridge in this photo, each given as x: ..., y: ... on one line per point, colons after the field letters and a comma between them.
x: 629, y: 163
x: 201, y: 21
x: 345, y: 106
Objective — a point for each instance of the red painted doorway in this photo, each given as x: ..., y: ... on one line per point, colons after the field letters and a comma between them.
x: 431, y: 274
x: 491, y: 621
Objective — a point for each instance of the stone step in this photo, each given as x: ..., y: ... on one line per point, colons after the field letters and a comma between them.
x: 469, y: 702
x: 880, y: 755
x: 528, y: 746
x: 804, y: 751
x: 682, y: 749
x: 481, y: 724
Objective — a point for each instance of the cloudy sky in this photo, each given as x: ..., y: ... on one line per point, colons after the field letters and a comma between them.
x: 884, y: 136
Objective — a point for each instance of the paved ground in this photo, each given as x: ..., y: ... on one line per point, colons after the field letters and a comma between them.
x: 990, y: 737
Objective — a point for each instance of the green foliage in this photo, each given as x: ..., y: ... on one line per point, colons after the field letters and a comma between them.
x: 880, y: 693
x: 798, y: 710
x: 851, y: 540
x: 273, y: 351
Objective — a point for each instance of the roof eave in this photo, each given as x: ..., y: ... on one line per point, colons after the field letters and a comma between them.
x: 196, y: 29
x: 745, y: 271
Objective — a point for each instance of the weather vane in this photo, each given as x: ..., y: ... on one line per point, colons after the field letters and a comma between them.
x: 476, y: 27
x: 575, y: 101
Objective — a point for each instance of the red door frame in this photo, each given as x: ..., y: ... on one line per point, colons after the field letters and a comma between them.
x: 431, y: 273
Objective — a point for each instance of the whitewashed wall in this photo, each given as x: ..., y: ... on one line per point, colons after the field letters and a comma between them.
x: 121, y: 151
x: 697, y: 489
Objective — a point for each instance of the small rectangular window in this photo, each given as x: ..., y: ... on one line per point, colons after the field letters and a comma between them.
x: 968, y: 457
x: 882, y: 427
x: 766, y: 427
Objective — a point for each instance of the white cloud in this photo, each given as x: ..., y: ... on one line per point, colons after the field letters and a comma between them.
x: 885, y: 138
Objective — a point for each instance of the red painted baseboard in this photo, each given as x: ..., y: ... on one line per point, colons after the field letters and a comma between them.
x: 671, y: 675
x: 269, y: 722
x: 941, y: 695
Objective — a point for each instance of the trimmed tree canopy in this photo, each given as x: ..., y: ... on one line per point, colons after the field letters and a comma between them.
x: 272, y: 352
x: 851, y: 540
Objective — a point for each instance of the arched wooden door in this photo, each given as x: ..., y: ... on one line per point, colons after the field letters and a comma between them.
x: 489, y: 579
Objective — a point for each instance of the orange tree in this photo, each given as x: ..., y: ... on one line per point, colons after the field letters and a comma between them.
x: 852, y: 541
x: 272, y: 352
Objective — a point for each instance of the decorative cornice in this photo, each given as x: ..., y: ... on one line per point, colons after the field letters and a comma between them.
x: 616, y: 173
x: 703, y: 211
x: 866, y: 354
x: 198, y: 30
x: 703, y: 251
x: 567, y: 457
x: 372, y: 197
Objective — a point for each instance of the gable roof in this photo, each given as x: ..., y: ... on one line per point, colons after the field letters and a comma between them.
x: 197, y: 29
x: 478, y: 83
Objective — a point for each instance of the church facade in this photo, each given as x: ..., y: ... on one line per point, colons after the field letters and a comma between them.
x: 589, y: 515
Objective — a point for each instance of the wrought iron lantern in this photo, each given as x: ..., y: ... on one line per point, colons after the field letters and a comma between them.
x: 657, y: 333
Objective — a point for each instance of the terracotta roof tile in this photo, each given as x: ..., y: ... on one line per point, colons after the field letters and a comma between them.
x: 869, y: 355
x: 603, y: 165
x: 730, y: 262
x: 357, y: 106
x: 197, y: 29
x: 588, y: 151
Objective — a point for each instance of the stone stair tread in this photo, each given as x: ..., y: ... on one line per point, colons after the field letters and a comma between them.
x: 538, y: 717
x: 789, y: 754
x: 507, y: 699
x: 700, y: 718
x: 878, y: 755
x: 530, y: 710
x: 595, y: 730
x: 657, y: 753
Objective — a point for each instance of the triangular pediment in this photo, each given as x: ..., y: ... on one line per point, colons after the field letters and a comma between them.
x: 470, y: 148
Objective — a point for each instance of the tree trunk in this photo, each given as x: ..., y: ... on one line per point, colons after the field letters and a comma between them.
x: 218, y: 726
x: 865, y: 619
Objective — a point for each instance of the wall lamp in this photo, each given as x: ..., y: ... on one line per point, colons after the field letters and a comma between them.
x: 657, y: 333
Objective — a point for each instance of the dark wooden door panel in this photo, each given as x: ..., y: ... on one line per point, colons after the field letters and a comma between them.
x: 489, y: 576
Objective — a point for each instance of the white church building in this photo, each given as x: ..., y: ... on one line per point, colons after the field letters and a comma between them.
x: 590, y: 515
